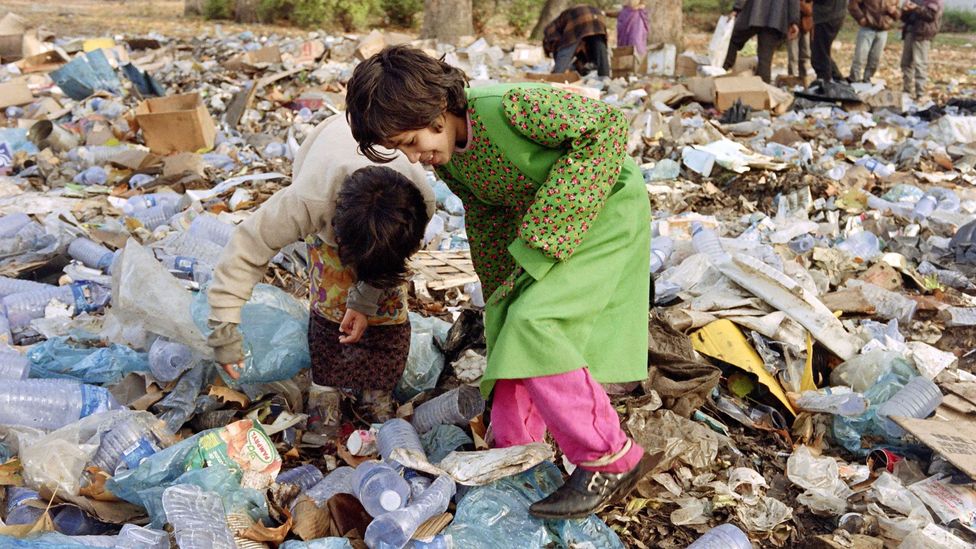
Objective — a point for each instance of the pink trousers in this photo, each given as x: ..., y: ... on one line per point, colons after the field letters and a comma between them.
x: 574, y: 408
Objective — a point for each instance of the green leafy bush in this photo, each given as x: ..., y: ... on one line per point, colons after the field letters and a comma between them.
x: 402, y: 12
x: 218, y: 9
x: 958, y: 21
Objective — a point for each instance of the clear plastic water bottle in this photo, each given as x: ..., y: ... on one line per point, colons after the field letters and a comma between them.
x: 95, y: 175
x: 169, y: 359
x: 212, y: 229
x: 380, y: 488
x: 72, y: 521
x: 18, y: 512
x: 155, y: 216
x: 143, y: 202
x: 10, y: 286
x: 91, y: 253
x: 723, y: 536
x: 201, y: 249
x: 841, y: 401
x: 661, y: 248
x: 397, y: 433
x: 863, y: 245
x: 418, y: 483
x: 802, y: 244
x: 26, y: 306
x: 11, y: 223
x: 303, y: 476
x: 140, y: 537
x: 140, y: 180
x: 187, y: 267
x: 394, y: 529
x: 918, y: 398
x: 338, y: 481
x: 128, y: 443
x: 14, y: 365
x: 197, y: 517
x: 455, y: 407
x: 707, y: 243
x: 51, y: 403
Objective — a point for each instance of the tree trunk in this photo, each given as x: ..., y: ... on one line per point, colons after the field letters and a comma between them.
x: 665, y: 20
x: 550, y: 11
x: 246, y: 11
x: 192, y: 7
x: 447, y: 20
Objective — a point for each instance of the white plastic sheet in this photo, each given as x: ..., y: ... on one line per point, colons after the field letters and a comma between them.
x: 718, y: 47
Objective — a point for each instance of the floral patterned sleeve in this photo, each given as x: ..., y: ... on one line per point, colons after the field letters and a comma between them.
x: 594, y: 135
x: 489, y: 230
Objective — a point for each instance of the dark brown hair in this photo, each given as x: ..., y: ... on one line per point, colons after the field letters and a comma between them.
x: 397, y: 90
x: 379, y: 223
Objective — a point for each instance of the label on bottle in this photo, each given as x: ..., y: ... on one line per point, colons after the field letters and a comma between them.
x: 184, y: 264
x: 94, y: 399
x: 84, y: 298
x: 16, y: 497
x: 139, y: 451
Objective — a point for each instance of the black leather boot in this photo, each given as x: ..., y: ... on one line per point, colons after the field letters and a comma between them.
x: 586, y: 492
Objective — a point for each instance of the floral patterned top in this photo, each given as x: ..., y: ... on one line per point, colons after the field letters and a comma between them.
x: 503, y: 202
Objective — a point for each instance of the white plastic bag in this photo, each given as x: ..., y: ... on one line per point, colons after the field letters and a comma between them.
x: 718, y: 48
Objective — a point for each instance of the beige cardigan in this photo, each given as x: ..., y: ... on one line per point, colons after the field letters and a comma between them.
x: 304, y: 208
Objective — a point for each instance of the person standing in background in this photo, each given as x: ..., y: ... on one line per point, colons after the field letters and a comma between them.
x: 875, y: 17
x: 828, y: 19
x: 798, y: 49
x: 922, y: 21
x: 771, y: 21
x: 578, y: 34
x: 632, y: 27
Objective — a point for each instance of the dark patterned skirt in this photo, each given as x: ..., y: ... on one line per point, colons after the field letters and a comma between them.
x: 376, y: 361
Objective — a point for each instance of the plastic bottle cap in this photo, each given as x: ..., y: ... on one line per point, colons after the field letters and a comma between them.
x: 390, y: 500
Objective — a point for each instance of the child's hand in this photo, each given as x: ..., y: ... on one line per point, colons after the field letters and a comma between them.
x: 353, y: 325
x: 234, y: 369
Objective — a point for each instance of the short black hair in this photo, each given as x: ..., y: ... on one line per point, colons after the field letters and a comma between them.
x: 397, y: 90
x: 379, y: 222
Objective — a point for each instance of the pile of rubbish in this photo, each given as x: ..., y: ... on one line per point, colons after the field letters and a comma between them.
x: 810, y: 348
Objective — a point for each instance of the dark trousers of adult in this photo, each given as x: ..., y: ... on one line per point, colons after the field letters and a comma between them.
x: 769, y: 40
x: 595, y: 51
x: 820, y: 44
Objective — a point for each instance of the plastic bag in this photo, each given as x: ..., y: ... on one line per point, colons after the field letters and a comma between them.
x: 62, y: 357
x: 160, y: 470
x: 496, y: 516
x: 443, y: 440
x: 425, y: 361
x: 145, y: 293
x: 825, y: 491
x: 275, y: 329
x: 217, y: 479
x: 718, y: 47
x: 58, y: 460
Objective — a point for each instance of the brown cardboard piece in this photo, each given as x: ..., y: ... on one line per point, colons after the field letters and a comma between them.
x: 371, y: 44
x: 42, y: 62
x: 179, y: 164
x: 15, y: 93
x: 751, y: 90
x: 624, y: 61
x: 563, y: 77
x: 527, y: 56
x: 702, y: 87
x: 255, y: 60
x: 12, y: 30
x: 954, y: 440
x: 178, y: 123
x: 687, y: 64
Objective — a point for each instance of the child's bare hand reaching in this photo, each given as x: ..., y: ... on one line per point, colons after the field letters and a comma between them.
x: 353, y: 325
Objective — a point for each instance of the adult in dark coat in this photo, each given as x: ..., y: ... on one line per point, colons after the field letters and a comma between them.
x: 771, y: 21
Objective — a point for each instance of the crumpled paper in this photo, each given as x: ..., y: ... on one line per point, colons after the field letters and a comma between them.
x: 481, y: 467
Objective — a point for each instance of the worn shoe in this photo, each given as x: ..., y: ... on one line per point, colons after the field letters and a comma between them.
x: 586, y: 492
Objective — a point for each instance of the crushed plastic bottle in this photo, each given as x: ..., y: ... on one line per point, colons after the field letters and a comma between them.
x: 17, y: 511
x: 303, y: 476
x: 95, y: 175
x: 661, y: 248
x: 212, y: 229
x: 338, y: 481
x: 380, y: 488
x: 11, y: 223
x: 14, y: 365
x: 26, y: 306
x: 169, y: 359
x: 397, y: 433
x: 455, y: 407
x: 129, y: 442
x: 723, y: 536
x: 862, y: 245
x: 395, y: 529
x: 143, y: 202
x: 90, y: 253
x: 51, y: 403
x: 833, y: 400
x: 918, y: 398
x: 197, y: 517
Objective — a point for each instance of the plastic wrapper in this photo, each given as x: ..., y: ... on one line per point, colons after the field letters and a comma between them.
x: 275, y: 329
x: 176, y: 408
x: 847, y: 431
x: 496, y: 516
x: 57, y: 461
x: 425, y: 361
x: 60, y: 357
x: 825, y: 491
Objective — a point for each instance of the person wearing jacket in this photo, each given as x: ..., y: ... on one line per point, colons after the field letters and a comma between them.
x: 578, y: 36
x: 828, y: 18
x: 798, y: 49
x: 875, y: 17
x: 922, y: 20
x: 771, y: 22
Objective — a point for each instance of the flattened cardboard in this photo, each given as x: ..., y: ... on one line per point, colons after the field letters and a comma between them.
x: 42, y: 62
x: 953, y: 440
x: 15, y: 93
x: 751, y: 90
x: 178, y: 123
x: 562, y: 77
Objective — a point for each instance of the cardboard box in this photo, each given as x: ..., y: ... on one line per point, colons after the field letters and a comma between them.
x: 687, y: 64
x: 751, y: 90
x: 624, y: 61
x: 568, y: 76
x: 12, y: 30
x: 15, y: 93
x: 660, y: 60
x: 178, y: 123
x: 527, y: 56
x: 43, y: 62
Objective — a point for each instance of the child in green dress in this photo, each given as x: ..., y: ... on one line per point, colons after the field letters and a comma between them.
x: 558, y: 219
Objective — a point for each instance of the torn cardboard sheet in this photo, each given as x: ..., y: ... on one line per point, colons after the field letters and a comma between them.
x: 953, y: 440
x: 949, y: 501
x: 478, y: 468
